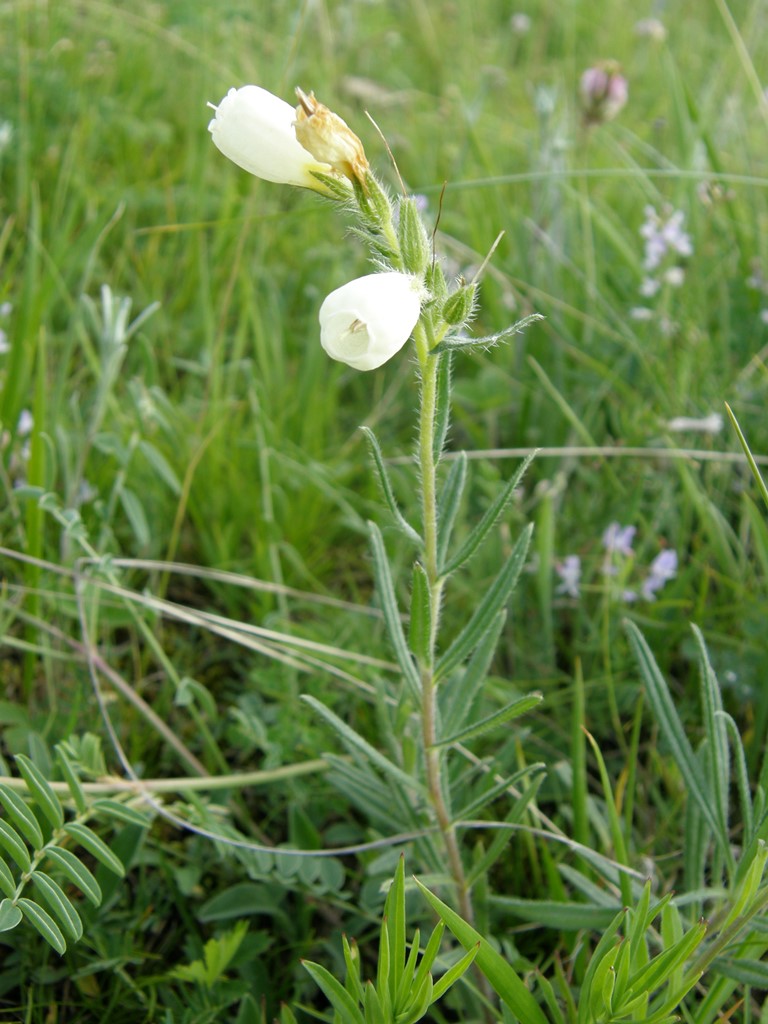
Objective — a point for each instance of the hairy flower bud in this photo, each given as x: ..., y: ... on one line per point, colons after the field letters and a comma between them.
x: 323, y: 134
x: 254, y: 129
x: 368, y: 320
x: 459, y: 305
x: 414, y: 243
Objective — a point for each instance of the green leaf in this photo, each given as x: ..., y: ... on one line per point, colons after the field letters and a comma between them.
x: 430, y: 955
x: 420, y: 628
x: 442, y: 404
x: 386, y: 487
x: 391, y: 612
x: 394, y: 914
x: 718, y: 758
x: 502, y: 978
x: 41, y: 791
x: 468, y: 344
x: 77, y: 873
x: 409, y: 972
x: 7, y: 884
x: 339, y: 998
x: 449, y: 504
x: 59, y: 903
x: 489, y: 520
x: 118, y: 810
x: 484, y: 618
x: 355, y: 740
x: 352, y: 982
x: 567, y: 917
x: 22, y: 816
x: 13, y: 844
x: 10, y: 916
x: 750, y: 458
x: 44, y: 923
x: 604, y: 946
x: 514, y: 709
x: 458, y: 693
x: 672, y: 728
x: 217, y: 956
x: 453, y: 974
x: 95, y: 846
x: 72, y: 780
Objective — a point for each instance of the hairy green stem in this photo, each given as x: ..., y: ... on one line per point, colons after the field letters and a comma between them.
x: 432, y: 756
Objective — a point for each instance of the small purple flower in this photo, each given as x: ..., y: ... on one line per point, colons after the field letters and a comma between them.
x: 569, y: 571
x: 663, y: 568
x: 617, y: 539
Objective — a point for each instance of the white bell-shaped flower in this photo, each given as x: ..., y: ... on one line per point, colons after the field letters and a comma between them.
x: 255, y: 129
x: 368, y: 320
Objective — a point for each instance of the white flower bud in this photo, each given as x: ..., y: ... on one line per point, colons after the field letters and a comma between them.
x: 255, y: 130
x: 368, y: 320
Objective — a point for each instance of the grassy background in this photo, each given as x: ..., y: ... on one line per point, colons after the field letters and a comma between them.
x: 225, y: 439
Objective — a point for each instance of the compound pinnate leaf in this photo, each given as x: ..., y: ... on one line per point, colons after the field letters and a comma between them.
x: 95, y: 846
x: 44, y: 923
x: 40, y: 790
x: 20, y: 813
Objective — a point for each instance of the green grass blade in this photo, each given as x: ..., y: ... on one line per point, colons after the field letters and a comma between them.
x: 458, y: 694
x: 420, y: 626
x: 72, y: 780
x: 394, y: 910
x: 672, y: 728
x: 453, y: 974
x: 717, y: 739
x: 750, y: 458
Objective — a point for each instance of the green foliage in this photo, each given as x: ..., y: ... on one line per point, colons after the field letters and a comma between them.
x: 34, y: 836
x: 404, y: 988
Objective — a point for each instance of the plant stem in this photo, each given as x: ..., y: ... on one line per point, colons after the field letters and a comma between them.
x: 432, y: 756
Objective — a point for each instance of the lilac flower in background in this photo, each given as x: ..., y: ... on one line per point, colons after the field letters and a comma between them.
x: 651, y: 28
x: 663, y: 568
x: 520, y: 23
x: 5, y: 345
x: 663, y: 236
x: 618, y: 539
x: 25, y: 423
x: 569, y: 571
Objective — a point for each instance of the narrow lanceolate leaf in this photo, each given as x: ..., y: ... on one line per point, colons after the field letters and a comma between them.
x: 14, y: 846
x: 489, y: 520
x: 340, y: 999
x: 420, y: 626
x: 465, y: 343
x: 502, y: 978
x: 10, y: 916
x: 672, y: 728
x: 44, y: 923
x: 386, y: 487
x: 120, y: 811
x: 20, y: 813
x: 453, y: 974
x: 72, y: 780
x: 41, y: 791
x: 59, y: 904
x: 443, y: 405
x: 717, y: 736
x: 391, y: 613
x: 76, y: 872
x: 484, y: 617
x: 354, y: 740
x: 458, y: 695
x: 498, y: 718
x: 95, y: 846
x: 394, y: 910
x: 448, y: 506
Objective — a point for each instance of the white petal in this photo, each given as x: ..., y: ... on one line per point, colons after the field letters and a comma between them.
x: 254, y: 129
x: 366, y: 321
